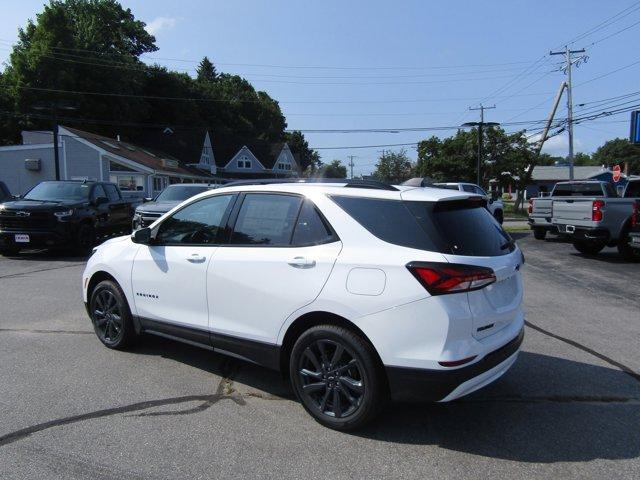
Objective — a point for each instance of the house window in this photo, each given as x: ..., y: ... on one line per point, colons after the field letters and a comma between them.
x: 244, y: 162
x: 128, y: 183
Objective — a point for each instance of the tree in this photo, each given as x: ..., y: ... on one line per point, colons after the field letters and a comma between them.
x: 308, y: 159
x: 393, y: 167
x: 206, y: 71
x: 583, y: 159
x: 618, y: 152
x: 335, y: 169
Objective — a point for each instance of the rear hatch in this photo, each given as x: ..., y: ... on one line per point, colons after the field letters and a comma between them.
x: 466, y: 233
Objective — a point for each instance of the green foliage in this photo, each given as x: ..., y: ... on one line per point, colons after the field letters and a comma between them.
x: 94, y: 46
x: 583, y: 159
x: 617, y: 152
x: 206, y: 71
x: 393, y: 167
x: 335, y: 169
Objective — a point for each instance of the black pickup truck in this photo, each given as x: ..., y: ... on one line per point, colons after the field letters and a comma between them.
x: 65, y: 214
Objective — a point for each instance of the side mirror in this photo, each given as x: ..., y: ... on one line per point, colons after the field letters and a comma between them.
x: 142, y: 236
x: 100, y: 201
x: 147, y: 199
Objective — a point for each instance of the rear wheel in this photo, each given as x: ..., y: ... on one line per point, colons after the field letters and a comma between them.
x: 589, y: 248
x: 335, y: 374
x: 111, y: 316
x: 539, y: 233
x: 9, y: 252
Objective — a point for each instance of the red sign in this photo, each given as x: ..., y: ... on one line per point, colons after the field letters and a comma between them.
x: 616, y: 173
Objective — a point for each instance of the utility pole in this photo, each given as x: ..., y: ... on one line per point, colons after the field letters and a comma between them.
x: 480, y: 124
x: 53, y: 108
x: 567, y: 68
x: 351, y: 164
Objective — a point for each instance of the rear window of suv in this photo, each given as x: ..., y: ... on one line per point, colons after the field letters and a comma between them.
x: 459, y: 227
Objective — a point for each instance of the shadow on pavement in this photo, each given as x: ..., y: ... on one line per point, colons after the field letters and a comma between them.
x: 545, y: 410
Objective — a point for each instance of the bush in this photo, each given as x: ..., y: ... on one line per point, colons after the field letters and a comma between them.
x: 507, y: 196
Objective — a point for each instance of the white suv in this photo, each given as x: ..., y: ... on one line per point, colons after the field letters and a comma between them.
x: 357, y: 294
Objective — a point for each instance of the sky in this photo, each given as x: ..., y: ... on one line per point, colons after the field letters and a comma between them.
x: 336, y: 64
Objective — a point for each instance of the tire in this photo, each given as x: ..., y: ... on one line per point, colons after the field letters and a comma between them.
x: 111, y: 316
x: 344, y: 392
x: 499, y: 216
x: 85, y: 239
x: 539, y: 233
x: 628, y: 253
x: 9, y: 252
x: 589, y: 248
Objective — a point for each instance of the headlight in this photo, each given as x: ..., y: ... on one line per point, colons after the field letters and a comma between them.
x: 64, y: 213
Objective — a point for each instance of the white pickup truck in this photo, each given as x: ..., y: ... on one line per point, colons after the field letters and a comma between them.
x: 593, y: 216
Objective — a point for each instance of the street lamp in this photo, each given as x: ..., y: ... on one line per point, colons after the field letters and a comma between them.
x: 480, y: 125
x: 53, y: 108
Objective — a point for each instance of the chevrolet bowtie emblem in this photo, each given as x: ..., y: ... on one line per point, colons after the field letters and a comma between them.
x: 22, y: 214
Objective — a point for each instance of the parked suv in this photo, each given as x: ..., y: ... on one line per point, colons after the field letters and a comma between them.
x: 63, y: 214
x: 150, y: 211
x: 357, y: 294
x: 495, y: 206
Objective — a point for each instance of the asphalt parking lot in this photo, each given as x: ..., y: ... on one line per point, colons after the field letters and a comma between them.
x: 70, y: 408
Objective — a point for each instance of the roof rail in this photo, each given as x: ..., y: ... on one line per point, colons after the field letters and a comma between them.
x: 350, y: 183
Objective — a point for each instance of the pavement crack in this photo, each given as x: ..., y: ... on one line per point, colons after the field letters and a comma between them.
x: 30, y: 330
x: 573, y: 343
x: 11, y: 275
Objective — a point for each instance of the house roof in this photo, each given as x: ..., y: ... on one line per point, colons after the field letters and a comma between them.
x: 542, y: 173
x: 182, y: 143
x: 154, y: 159
x: 266, y: 152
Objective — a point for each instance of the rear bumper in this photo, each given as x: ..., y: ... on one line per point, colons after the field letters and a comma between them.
x: 417, y: 384
x: 541, y: 223
x: 578, y: 233
x: 37, y: 239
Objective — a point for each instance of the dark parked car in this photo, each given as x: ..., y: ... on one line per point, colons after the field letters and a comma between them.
x: 63, y: 214
x: 171, y: 196
x: 634, y: 234
x: 5, y: 194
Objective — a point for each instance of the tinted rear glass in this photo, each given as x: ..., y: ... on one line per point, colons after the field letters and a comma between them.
x: 458, y: 227
x: 578, y: 190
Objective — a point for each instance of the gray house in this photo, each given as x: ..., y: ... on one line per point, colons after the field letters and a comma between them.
x: 139, y: 172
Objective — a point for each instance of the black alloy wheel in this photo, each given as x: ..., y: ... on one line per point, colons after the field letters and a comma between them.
x: 331, y: 378
x: 111, y: 316
x: 337, y: 377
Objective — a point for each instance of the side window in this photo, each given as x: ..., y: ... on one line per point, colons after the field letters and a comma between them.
x: 469, y: 188
x: 98, y: 192
x: 310, y: 228
x: 112, y: 193
x: 480, y: 191
x: 266, y: 219
x: 196, y: 224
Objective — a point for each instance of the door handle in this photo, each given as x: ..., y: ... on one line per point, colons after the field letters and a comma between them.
x: 195, y: 258
x: 302, y: 262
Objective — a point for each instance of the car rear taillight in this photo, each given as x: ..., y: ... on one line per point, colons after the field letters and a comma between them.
x: 530, y: 206
x: 596, y: 210
x: 443, y: 278
x: 635, y: 214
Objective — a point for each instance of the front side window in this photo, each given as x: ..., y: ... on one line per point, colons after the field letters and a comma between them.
x: 199, y: 223
x: 469, y: 188
x: 98, y: 192
x: 112, y: 193
x: 266, y: 219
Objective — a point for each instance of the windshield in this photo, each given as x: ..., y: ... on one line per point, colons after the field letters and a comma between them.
x: 177, y: 193
x: 59, y: 191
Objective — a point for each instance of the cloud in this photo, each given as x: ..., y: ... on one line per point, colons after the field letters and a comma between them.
x: 558, y: 145
x: 160, y: 23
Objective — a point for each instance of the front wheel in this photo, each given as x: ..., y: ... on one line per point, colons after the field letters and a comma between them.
x: 589, y: 248
x: 336, y: 376
x: 627, y: 251
x: 85, y: 239
x: 539, y: 233
x: 111, y: 316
